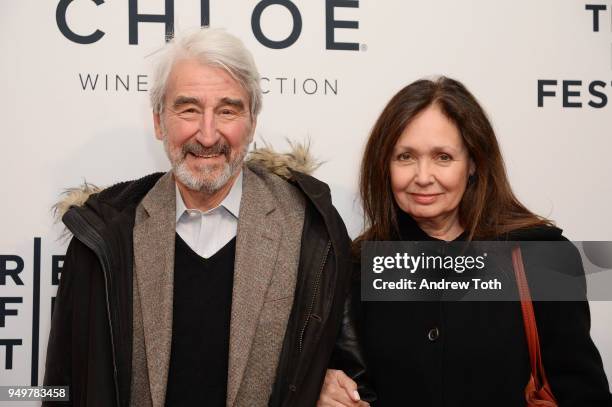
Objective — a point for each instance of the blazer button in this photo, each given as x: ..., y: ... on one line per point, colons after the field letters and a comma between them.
x: 292, y: 387
x: 433, y: 334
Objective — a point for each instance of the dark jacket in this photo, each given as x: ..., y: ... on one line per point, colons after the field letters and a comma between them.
x: 90, y: 344
x: 475, y: 353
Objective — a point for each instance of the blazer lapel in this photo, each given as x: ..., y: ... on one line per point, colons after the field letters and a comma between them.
x: 154, y: 239
x: 257, y: 243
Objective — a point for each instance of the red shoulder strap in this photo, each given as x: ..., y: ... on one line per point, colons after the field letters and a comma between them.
x: 531, y: 329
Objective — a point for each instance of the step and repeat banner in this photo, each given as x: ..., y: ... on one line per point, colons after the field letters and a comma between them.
x: 74, y: 77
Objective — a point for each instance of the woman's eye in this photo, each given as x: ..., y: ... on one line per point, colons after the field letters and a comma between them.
x: 404, y: 157
x: 444, y: 157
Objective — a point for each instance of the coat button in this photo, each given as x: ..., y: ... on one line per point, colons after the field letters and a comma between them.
x: 292, y: 387
x: 433, y: 334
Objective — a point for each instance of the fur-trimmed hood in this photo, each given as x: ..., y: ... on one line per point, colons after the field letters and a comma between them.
x: 298, y: 159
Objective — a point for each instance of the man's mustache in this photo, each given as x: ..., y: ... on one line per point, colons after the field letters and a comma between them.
x: 196, y: 148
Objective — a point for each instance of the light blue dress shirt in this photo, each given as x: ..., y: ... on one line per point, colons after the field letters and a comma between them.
x: 207, y: 232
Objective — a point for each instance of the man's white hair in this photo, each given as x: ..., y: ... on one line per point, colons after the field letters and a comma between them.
x: 212, y: 47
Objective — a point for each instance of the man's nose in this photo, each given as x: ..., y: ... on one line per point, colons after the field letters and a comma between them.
x: 208, y: 134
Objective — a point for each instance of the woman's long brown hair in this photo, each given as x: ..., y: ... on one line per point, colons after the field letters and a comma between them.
x: 488, y: 208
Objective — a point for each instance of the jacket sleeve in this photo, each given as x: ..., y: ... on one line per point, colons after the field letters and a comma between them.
x: 58, y: 366
x: 67, y: 361
x: 571, y: 360
x: 348, y: 354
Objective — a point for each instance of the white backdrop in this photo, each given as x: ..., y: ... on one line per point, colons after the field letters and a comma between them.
x: 57, y: 131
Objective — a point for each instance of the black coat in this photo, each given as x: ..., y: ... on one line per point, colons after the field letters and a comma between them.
x: 475, y: 353
x: 90, y: 343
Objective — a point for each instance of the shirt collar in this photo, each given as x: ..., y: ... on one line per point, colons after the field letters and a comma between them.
x: 231, y: 202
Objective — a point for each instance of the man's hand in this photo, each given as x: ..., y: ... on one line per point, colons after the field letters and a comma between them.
x: 339, y: 390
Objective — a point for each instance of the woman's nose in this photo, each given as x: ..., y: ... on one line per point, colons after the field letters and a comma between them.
x: 424, y: 176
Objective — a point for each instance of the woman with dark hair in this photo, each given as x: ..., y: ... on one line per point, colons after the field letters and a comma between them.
x: 433, y: 171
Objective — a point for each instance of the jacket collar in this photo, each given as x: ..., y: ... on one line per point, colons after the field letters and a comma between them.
x: 154, y: 238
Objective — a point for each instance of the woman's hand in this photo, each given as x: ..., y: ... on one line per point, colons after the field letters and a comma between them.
x: 339, y: 390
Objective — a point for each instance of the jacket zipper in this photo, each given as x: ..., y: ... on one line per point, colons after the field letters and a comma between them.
x: 314, y: 295
x: 90, y: 237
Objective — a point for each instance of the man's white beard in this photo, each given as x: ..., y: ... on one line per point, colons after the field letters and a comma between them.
x: 205, y: 180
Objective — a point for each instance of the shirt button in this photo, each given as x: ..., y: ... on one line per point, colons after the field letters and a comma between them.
x: 433, y: 334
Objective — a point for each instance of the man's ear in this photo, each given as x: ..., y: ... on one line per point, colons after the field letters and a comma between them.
x: 159, y: 134
x: 253, y: 126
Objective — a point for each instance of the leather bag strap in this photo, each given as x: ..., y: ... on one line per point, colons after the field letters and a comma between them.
x: 531, y: 329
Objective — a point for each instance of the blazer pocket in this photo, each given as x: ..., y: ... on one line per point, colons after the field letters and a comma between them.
x: 270, y: 299
x: 276, y: 310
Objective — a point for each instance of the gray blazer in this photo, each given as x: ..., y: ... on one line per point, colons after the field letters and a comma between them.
x: 270, y: 226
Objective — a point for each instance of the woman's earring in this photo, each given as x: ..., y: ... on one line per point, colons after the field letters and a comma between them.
x: 471, y: 179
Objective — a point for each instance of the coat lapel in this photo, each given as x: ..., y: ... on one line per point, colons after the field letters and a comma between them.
x: 257, y: 244
x: 154, y: 239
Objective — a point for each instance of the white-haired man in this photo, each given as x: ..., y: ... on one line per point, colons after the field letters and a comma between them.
x: 218, y: 283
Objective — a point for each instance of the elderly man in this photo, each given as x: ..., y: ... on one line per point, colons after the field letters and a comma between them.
x: 218, y: 283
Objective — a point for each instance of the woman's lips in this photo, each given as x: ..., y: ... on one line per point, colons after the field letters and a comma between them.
x: 425, y: 199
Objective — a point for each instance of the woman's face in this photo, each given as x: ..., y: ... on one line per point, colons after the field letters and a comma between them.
x: 429, y: 167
